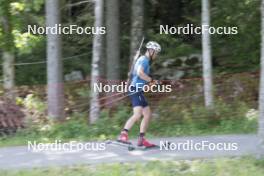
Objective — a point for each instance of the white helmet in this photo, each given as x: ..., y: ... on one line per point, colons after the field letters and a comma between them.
x: 153, y: 45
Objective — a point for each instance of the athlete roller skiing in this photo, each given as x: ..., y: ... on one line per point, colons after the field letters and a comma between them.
x: 139, y: 77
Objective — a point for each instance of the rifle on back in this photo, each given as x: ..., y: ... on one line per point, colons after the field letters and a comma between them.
x: 131, y: 69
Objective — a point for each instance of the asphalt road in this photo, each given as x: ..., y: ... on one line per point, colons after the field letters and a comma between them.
x: 181, y: 148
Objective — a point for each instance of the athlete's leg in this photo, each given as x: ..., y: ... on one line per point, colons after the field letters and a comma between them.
x: 143, y: 128
x: 137, y: 113
x: 146, y: 118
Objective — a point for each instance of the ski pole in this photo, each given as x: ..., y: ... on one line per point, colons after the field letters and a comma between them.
x: 113, y: 101
x: 109, y: 96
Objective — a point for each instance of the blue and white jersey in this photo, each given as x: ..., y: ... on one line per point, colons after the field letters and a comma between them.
x: 136, y: 81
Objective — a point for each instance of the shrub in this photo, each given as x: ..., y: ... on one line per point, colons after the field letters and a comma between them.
x: 11, y: 116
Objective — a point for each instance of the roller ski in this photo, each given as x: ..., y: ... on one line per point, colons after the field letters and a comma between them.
x: 123, y: 141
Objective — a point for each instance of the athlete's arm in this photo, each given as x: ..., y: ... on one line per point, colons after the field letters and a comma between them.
x: 143, y: 75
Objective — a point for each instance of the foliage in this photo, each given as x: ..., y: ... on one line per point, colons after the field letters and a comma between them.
x: 239, y: 52
x: 177, y: 120
x: 35, y: 108
x: 231, y: 53
x: 223, y: 166
x: 173, y: 47
x: 183, y: 119
x: 26, y: 42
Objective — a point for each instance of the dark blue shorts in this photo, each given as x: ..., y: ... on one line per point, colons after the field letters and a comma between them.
x: 138, y: 99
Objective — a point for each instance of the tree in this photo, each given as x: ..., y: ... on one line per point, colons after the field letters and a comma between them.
x: 137, y: 19
x: 112, y: 44
x: 54, y: 63
x: 261, y: 91
x: 207, y: 56
x: 8, y: 49
x: 97, y: 53
x: 112, y: 39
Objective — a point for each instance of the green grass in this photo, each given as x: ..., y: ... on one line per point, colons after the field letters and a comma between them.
x: 80, y: 131
x: 175, y: 121
x: 216, y: 167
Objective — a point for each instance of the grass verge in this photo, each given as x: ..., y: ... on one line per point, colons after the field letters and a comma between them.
x: 246, y: 166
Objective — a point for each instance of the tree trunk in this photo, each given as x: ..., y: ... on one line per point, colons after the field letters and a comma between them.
x: 112, y: 39
x: 9, y: 74
x: 137, y: 19
x: 8, y: 51
x: 97, y: 51
x: 112, y: 45
x: 261, y: 91
x: 207, y: 56
x: 54, y: 63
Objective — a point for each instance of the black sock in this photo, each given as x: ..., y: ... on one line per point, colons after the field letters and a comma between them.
x: 141, y: 134
x: 126, y: 130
